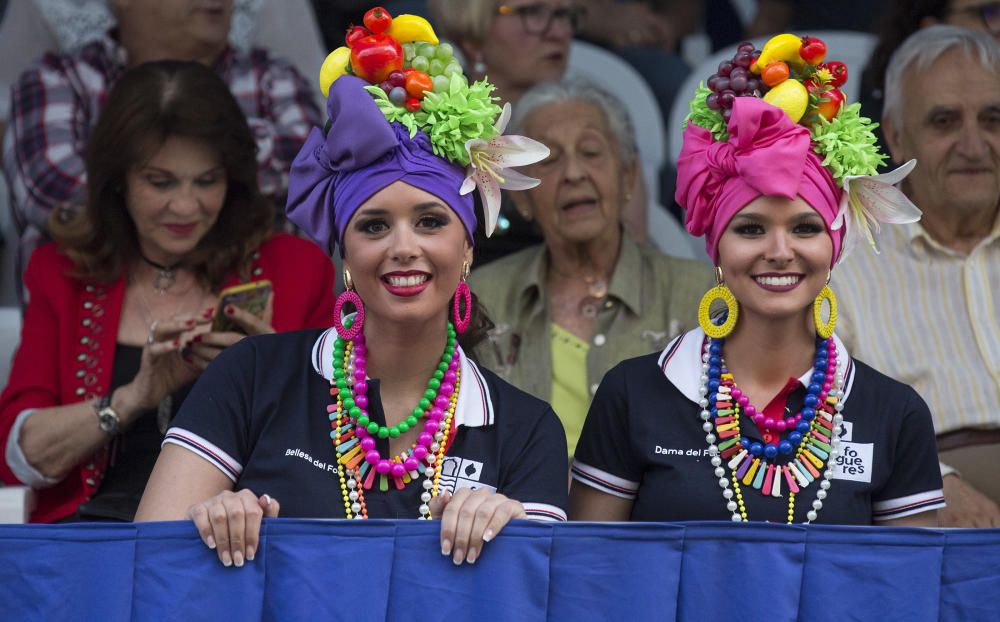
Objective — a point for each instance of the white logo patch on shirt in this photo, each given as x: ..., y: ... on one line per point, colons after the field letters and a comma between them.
x: 457, y: 473
x: 854, y: 462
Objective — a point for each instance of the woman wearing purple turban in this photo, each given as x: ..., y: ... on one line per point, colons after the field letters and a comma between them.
x: 384, y: 415
x: 761, y: 414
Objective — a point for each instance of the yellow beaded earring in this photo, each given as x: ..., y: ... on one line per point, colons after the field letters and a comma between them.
x: 825, y: 329
x: 719, y: 292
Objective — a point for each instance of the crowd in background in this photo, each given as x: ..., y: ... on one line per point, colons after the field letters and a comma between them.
x: 117, y: 107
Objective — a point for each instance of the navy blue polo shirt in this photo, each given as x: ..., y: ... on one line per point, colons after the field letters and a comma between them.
x: 258, y: 414
x: 643, y: 441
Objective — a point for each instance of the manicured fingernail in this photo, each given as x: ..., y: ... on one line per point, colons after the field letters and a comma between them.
x: 250, y: 553
x: 267, y: 499
x: 471, y: 558
x: 488, y: 535
x: 210, y: 541
x: 189, y: 323
x: 458, y: 557
x: 208, y: 312
x: 196, y: 339
x: 446, y: 547
x: 230, y: 310
x: 227, y: 560
x: 177, y: 343
x: 238, y: 559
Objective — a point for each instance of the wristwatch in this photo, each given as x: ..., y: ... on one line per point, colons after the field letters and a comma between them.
x: 107, y: 418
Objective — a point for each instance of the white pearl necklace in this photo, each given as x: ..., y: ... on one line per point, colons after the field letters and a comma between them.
x: 716, y: 459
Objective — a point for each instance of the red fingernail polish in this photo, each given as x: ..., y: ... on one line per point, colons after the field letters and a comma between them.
x: 177, y: 343
x: 189, y: 323
x: 197, y: 339
x: 230, y: 309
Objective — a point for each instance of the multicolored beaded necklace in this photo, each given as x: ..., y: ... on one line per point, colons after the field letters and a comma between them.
x: 353, y: 433
x: 814, y: 439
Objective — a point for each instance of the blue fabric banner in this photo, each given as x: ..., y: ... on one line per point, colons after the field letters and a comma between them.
x: 393, y: 570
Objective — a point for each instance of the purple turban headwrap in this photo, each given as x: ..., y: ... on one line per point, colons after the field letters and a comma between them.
x: 766, y: 154
x: 362, y: 153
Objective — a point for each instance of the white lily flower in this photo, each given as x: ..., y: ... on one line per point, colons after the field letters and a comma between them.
x: 872, y: 199
x: 490, y: 165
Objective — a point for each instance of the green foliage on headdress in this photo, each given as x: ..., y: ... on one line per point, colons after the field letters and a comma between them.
x: 703, y: 116
x: 393, y: 112
x: 847, y: 144
x: 465, y: 112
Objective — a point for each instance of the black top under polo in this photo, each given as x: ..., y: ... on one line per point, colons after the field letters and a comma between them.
x: 643, y: 440
x: 259, y: 414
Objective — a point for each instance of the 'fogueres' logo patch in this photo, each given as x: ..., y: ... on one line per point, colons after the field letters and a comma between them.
x: 458, y: 473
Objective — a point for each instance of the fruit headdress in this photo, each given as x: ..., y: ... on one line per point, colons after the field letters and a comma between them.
x: 400, y: 107
x: 790, y: 73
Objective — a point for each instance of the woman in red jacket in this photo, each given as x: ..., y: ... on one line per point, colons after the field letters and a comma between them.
x: 120, y: 310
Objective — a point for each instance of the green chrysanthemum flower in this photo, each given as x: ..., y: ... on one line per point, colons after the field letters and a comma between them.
x: 465, y: 112
x: 847, y: 144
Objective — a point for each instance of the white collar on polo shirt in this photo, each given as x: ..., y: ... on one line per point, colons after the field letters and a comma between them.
x: 475, y: 404
x: 681, y: 364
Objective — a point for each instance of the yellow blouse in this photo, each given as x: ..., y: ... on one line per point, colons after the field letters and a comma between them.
x: 570, y: 394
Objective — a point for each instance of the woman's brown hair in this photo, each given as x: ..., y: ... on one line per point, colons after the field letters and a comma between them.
x: 148, y: 105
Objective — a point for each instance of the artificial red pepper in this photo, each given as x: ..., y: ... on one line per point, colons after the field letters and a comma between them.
x: 838, y: 72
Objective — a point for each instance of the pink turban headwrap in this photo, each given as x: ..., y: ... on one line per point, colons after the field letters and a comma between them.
x: 766, y: 154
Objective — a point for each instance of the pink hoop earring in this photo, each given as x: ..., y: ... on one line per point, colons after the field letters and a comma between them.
x: 462, y: 293
x: 349, y: 334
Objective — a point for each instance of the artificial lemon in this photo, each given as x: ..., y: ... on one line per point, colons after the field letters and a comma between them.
x: 333, y: 67
x: 791, y: 96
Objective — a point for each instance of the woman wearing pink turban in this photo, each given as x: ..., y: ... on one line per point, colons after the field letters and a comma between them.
x: 760, y: 413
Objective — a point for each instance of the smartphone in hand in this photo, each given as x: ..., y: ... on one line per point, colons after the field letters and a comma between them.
x: 251, y: 297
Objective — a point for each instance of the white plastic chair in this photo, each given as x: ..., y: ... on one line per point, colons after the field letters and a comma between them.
x: 848, y: 47
x: 10, y: 335
x: 671, y: 237
x: 16, y: 502
x: 613, y: 74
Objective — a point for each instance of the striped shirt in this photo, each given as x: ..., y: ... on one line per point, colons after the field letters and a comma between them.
x: 643, y: 441
x: 269, y: 431
x: 929, y: 317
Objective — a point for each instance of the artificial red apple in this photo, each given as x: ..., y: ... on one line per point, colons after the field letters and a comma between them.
x: 374, y: 57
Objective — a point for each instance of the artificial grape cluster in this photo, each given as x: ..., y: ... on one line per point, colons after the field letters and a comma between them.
x: 734, y: 79
x: 426, y: 67
x: 438, y: 61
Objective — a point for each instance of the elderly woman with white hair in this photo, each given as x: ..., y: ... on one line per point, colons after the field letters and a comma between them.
x: 569, y: 309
